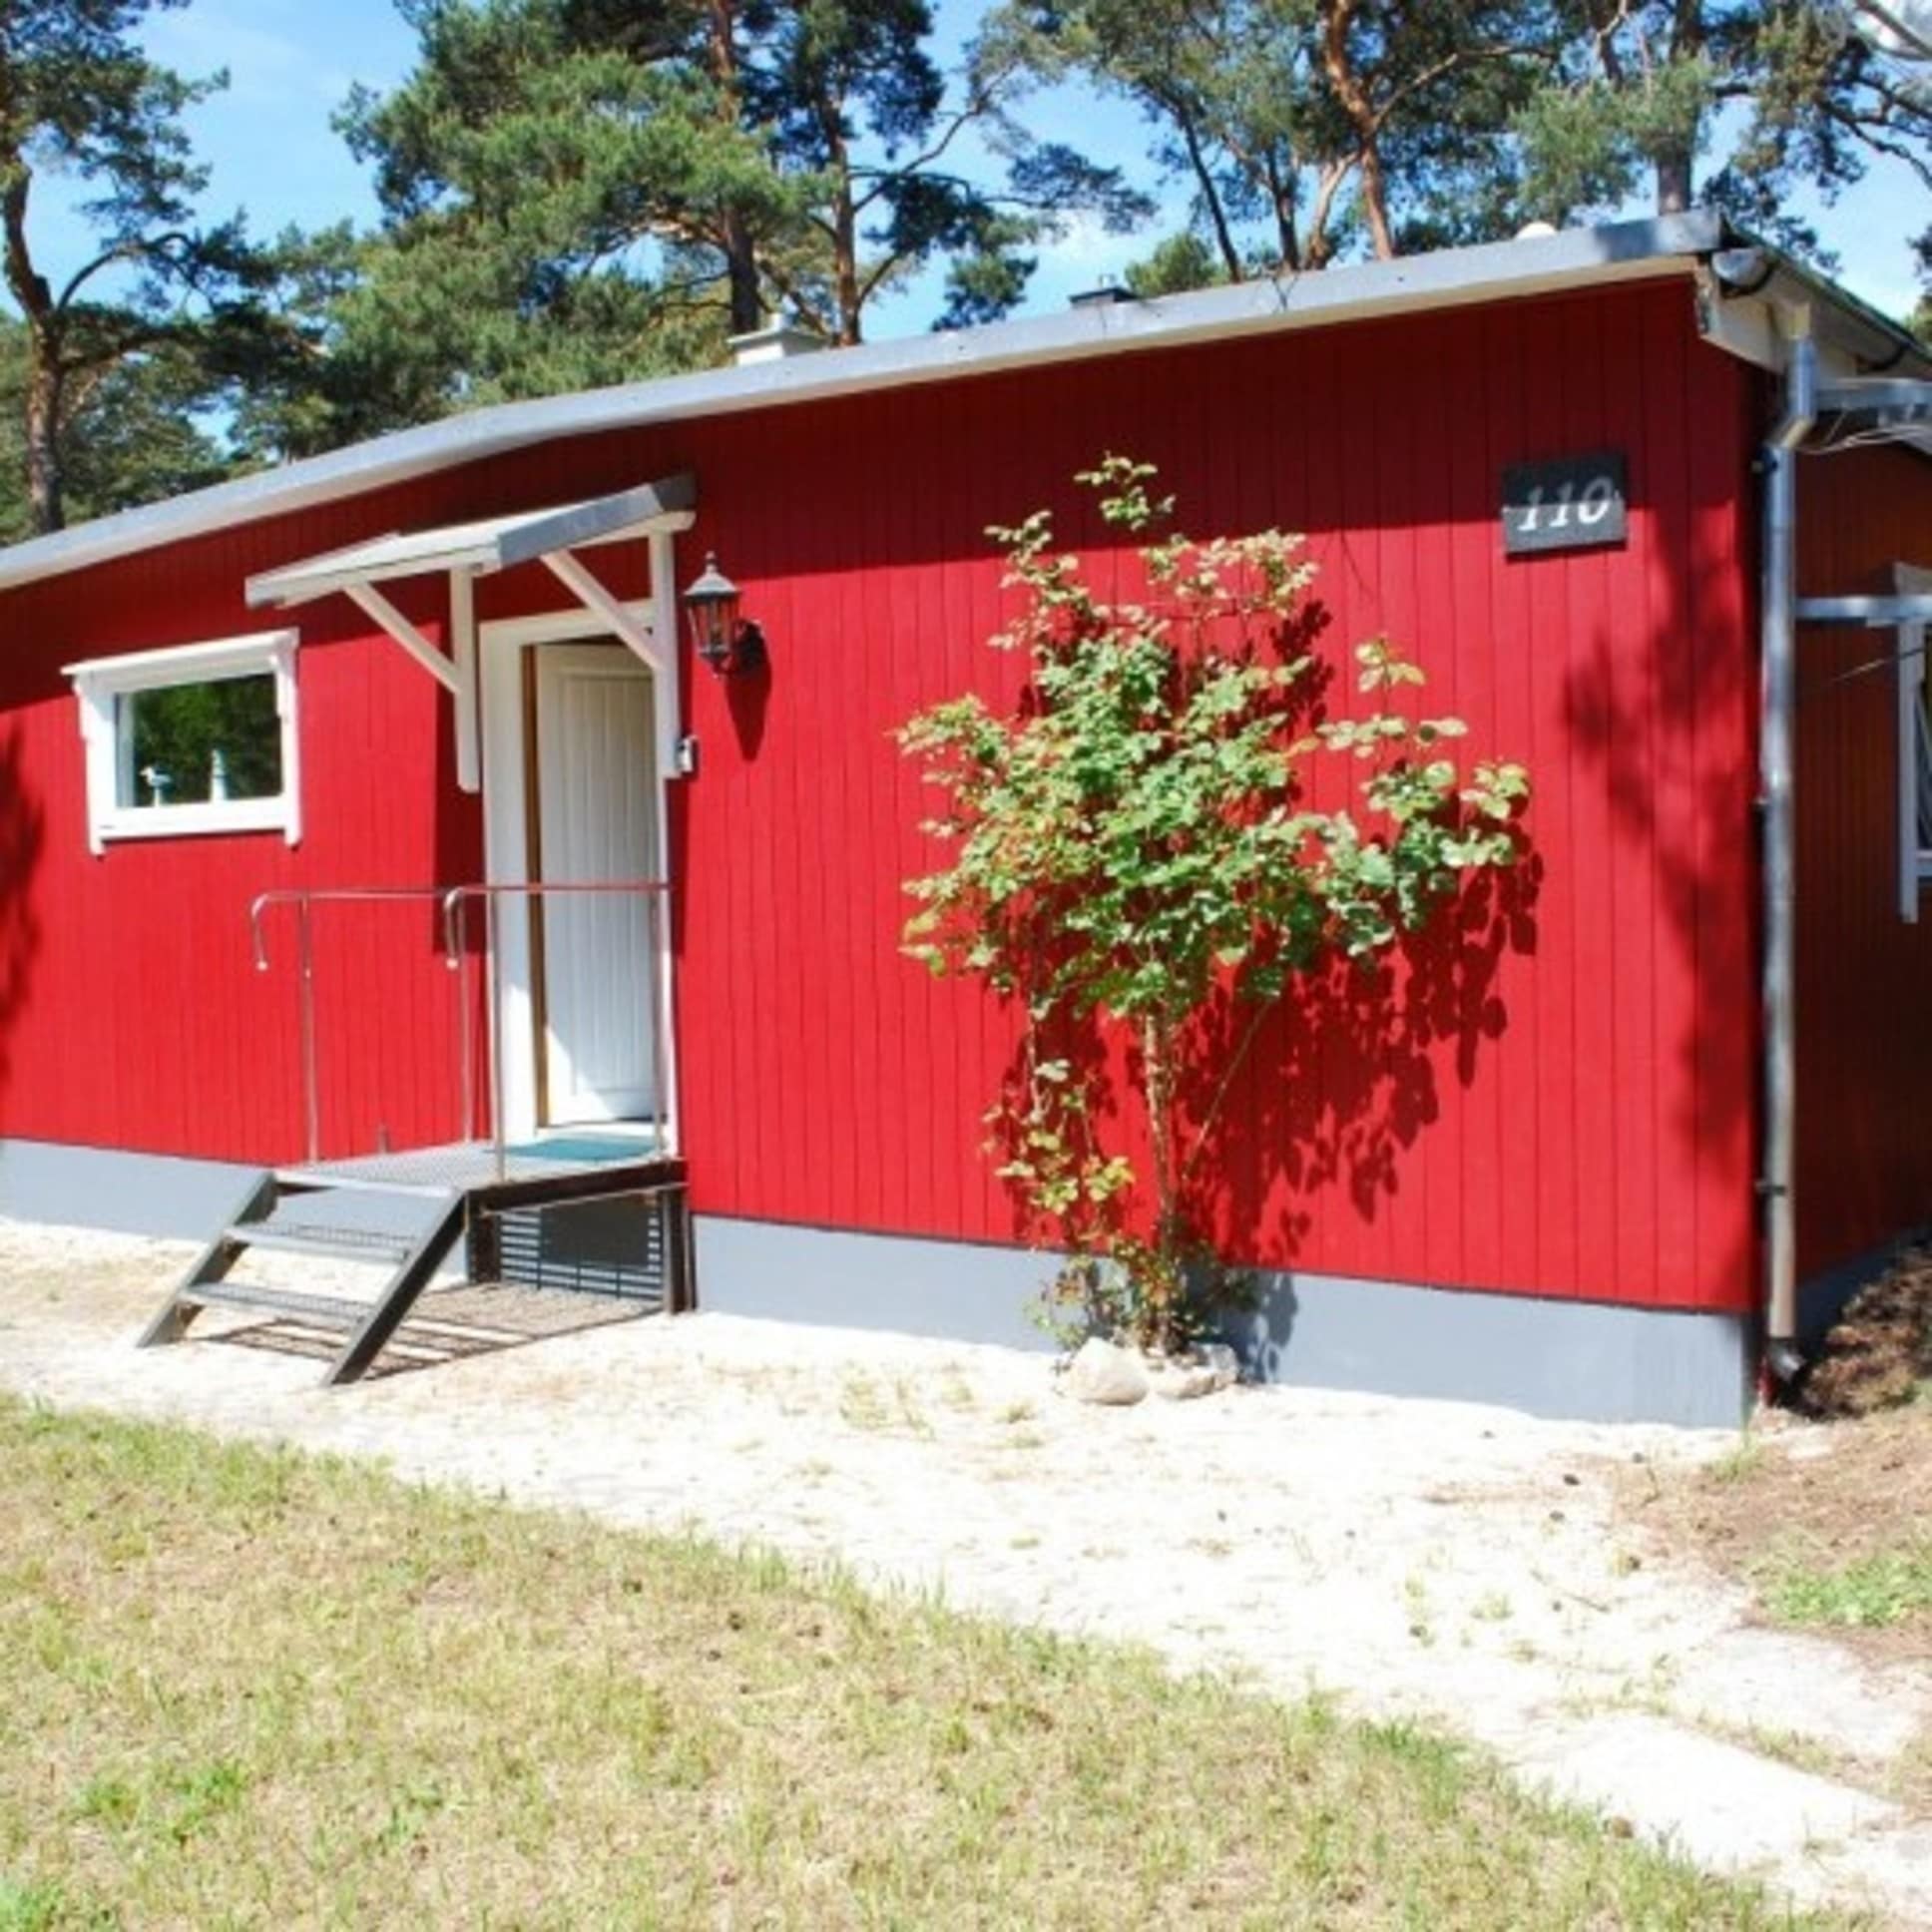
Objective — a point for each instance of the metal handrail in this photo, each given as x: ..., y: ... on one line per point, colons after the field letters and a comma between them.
x: 455, y: 902
x: 304, y: 899
x: 455, y: 897
x: 307, y: 896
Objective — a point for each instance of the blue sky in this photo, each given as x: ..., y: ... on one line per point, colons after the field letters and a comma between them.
x: 273, y: 151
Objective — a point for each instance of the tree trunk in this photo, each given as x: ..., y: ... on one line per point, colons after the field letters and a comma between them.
x: 846, y: 300
x: 46, y: 482
x: 1337, y: 60
x: 740, y: 251
x: 1157, y: 1051
x: 44, y: 375
x: 1231, y: 256
x: 842, y: 226
x: 1677, y: 154
x: 1319, y: 248
x: 1375, y: 202
x: 741, y: 265
x: 1673, y: 182
x: 1283, y: 196
x: 845, y: 278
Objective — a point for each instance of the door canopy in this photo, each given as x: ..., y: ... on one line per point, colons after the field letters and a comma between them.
x: 653, y: 512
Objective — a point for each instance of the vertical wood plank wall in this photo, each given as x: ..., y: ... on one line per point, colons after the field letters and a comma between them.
x: 1864, y: 975
x: 1562, y: 1102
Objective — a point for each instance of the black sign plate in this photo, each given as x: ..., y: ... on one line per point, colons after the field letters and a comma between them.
x: 1572, y: 503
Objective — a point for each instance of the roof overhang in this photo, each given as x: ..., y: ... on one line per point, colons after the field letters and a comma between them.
x: 1670, y: 245
x: 1758, y: 291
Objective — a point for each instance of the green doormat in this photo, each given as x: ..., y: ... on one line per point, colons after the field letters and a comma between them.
x: 588, y: 1146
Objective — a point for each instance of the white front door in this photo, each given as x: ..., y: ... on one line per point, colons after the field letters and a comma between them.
x: 596, y: 819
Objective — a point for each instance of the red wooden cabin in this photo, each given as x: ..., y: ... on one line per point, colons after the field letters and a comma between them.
x: 1556, y: 1178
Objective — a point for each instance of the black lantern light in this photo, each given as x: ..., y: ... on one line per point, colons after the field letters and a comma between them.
x: 727, y: 642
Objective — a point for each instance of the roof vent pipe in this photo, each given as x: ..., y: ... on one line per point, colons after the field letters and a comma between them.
x: 1777, y: 657
x: 775, y: 343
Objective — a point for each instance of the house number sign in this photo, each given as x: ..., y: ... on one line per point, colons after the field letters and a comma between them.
x: 1572, y: 503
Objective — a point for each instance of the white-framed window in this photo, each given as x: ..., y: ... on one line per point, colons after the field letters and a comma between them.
x: 198, y: 738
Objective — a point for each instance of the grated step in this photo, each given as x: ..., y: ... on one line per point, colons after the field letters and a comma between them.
x: 325, y: 1310
x: 309, y: 1181
x: 311, y: 1238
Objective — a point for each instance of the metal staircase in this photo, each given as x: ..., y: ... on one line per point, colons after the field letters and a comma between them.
x: 280, y: 1215
x: 524, y: 1211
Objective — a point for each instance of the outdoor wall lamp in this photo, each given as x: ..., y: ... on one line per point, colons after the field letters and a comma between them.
x: 727, y: 642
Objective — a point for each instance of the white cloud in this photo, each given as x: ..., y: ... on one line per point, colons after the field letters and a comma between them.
x: 266, y: 67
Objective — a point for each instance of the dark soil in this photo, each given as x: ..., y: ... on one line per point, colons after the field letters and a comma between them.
x: 1819, y: 1494
x: 1881, y: 1349
x: 1846, y: 1479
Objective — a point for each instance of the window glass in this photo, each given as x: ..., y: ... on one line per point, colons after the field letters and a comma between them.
x: 192, y: 739
x: 194, y: 744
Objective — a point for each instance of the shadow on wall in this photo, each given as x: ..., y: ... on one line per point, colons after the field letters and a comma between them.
x: 1642, y: 708
x: 1337, y: 1079
x: 1306, y: 1104
x: 1343, y: 1074
x: 22, y: 834
x: 747, y: 697
x: 1656, y: 964
x: 1352, y: 1079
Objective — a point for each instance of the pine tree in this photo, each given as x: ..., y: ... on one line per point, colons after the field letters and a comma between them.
x: 1318, y: 125
x: 131, y: 436
x: 578, y: 192
x: 78, y: 96
x: 1734, y: 104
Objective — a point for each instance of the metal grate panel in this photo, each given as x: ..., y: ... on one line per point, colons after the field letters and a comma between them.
x: 615, y: 1248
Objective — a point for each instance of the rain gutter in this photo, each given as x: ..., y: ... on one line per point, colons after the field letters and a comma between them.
x: 1777, y: 699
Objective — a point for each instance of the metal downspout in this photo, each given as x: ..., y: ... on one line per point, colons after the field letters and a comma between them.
x: 1778, y: 660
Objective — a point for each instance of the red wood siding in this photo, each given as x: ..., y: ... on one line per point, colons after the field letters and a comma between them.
x: 1562, y: 1102
x: 142, y: 1022
x: 1864, y: 981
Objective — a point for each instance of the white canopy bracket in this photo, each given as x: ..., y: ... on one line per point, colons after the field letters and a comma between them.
x: 584, y: 584
x: 375, y: 604
x: 663, y: 623
x: 651, y: 644
x: 462, y: 638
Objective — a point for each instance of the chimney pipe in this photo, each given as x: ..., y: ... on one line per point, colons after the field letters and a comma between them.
x: 775, y: 343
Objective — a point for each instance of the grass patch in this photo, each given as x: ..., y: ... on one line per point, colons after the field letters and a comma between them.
x: 1826, y: 1523
x: 881, y: 1408
x: 242, y: 1688
x: 29, y: 1908
x: 1911, y: 1775
x: 1740, y: 1460
x: 1875, y: 1592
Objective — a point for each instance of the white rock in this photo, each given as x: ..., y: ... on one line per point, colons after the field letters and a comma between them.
x: 1226, y: 1365
x: 1180, y: 1381
x: 1102, y: 1372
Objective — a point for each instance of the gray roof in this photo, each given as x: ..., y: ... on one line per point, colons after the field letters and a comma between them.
x: 1574, y: 257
